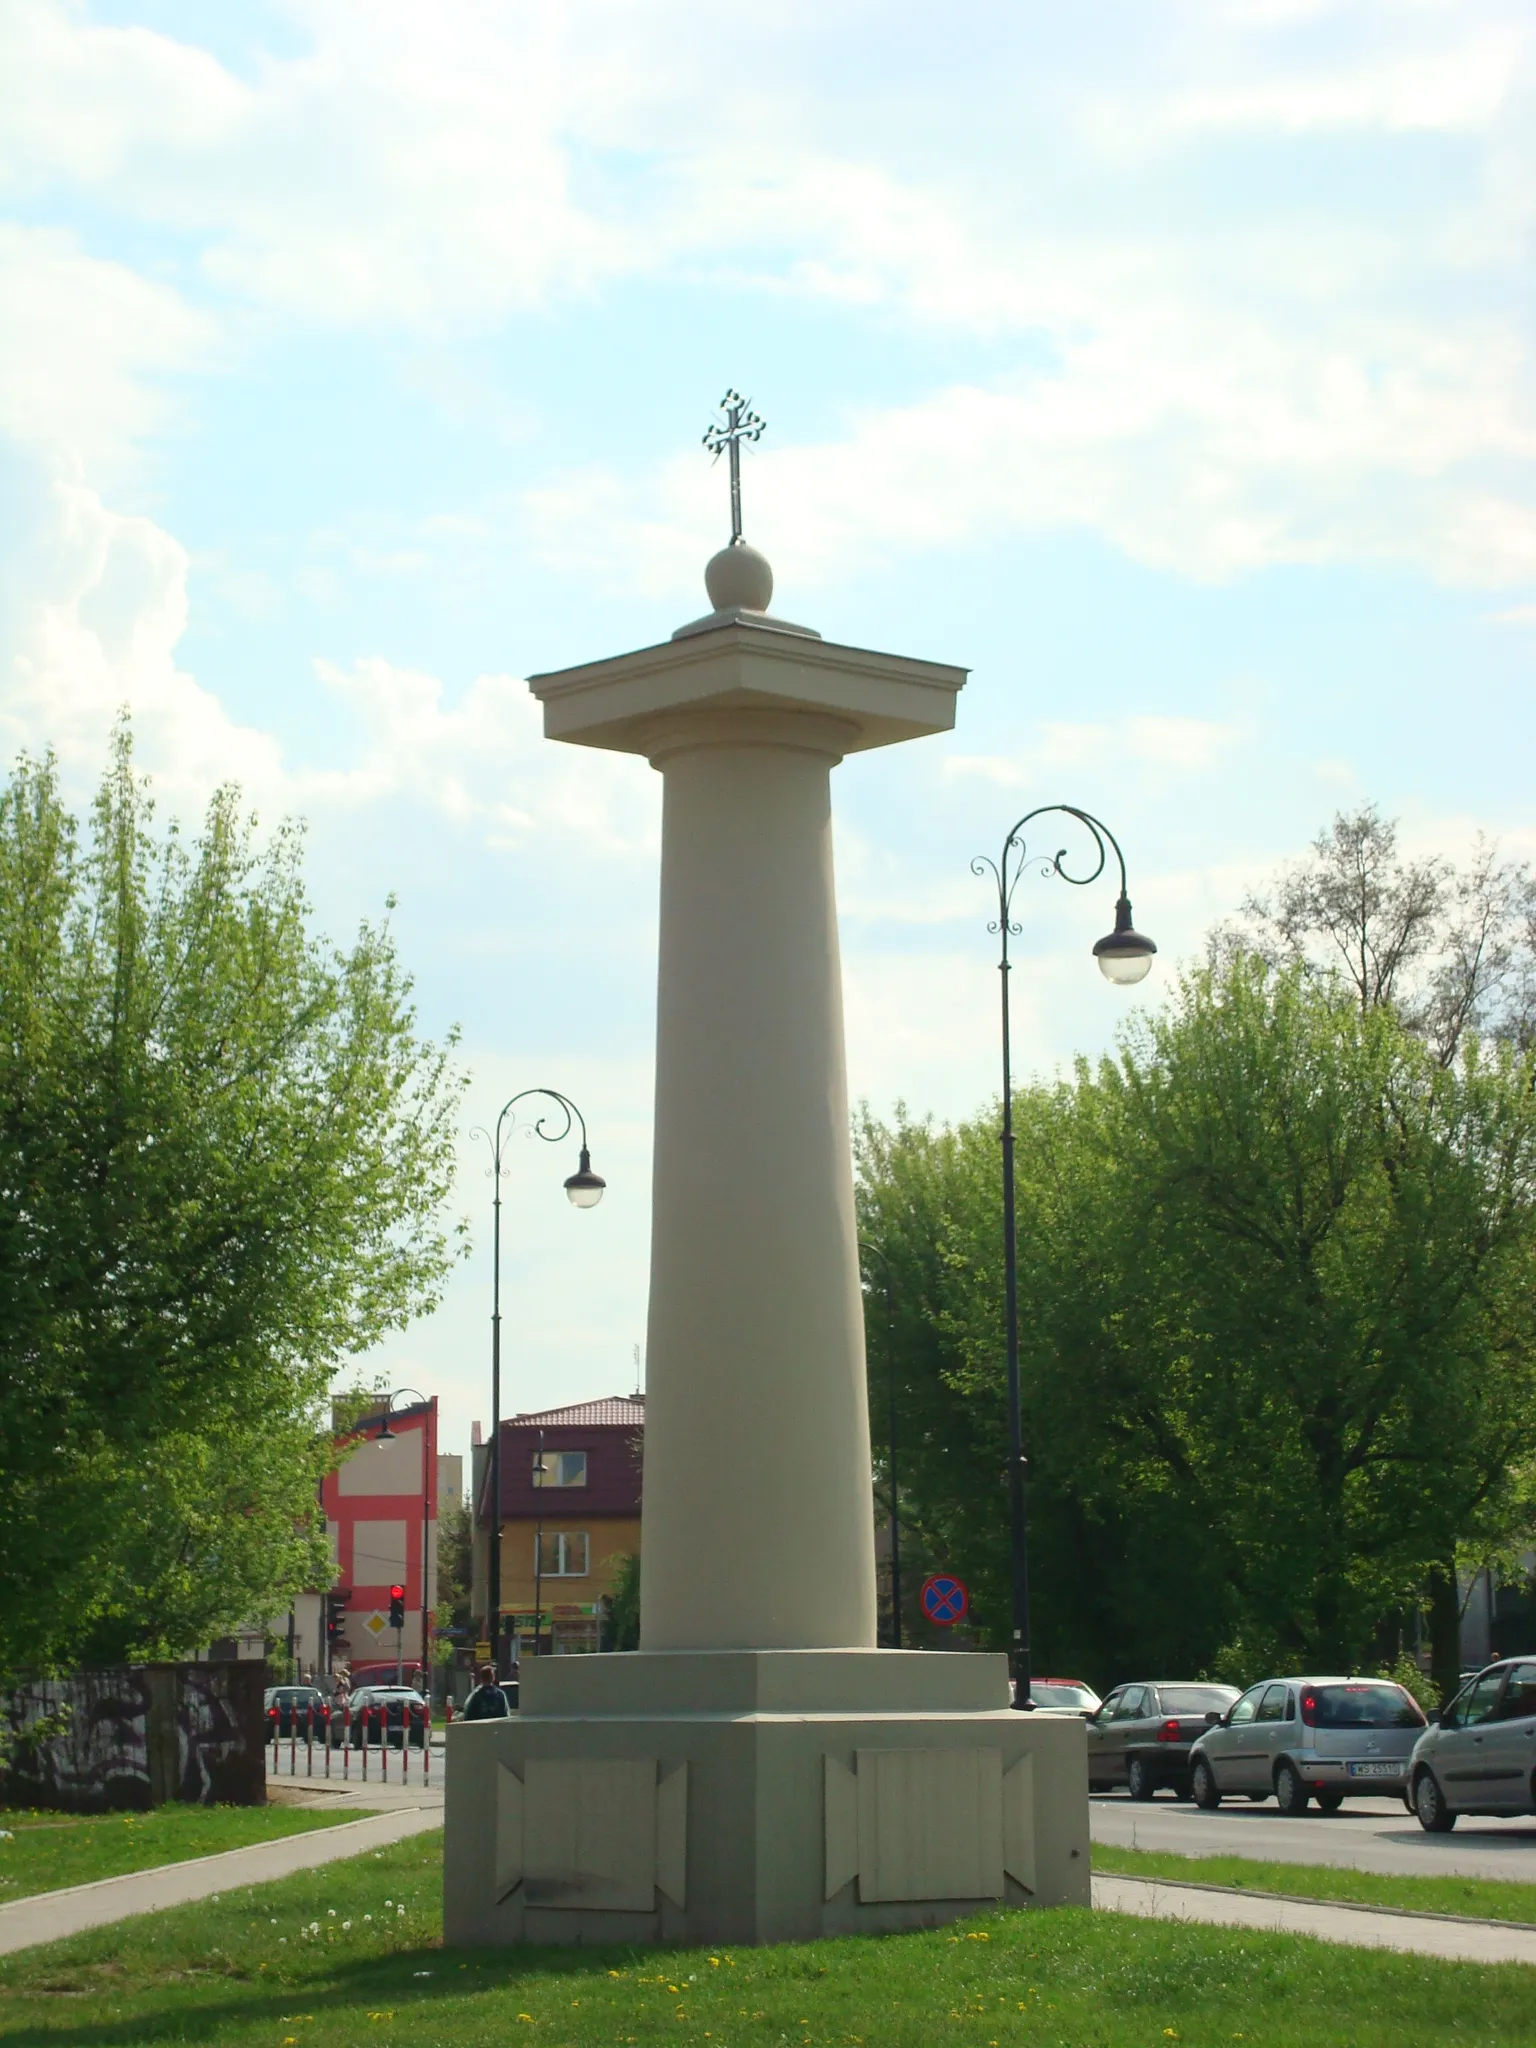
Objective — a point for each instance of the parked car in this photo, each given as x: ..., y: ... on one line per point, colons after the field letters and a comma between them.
x: 295, y: 1709
x: 1309, y: 1738
x: 1142, y: 1735
x: 1062, y: 1696
x: 1481, y: 1757
x: 380, y: 1713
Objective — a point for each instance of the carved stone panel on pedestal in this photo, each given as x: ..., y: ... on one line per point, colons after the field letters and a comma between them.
x: 592, y: 1834
x: 912, y: 1824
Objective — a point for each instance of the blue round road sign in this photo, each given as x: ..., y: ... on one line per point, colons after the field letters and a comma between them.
x: 945, y: 1600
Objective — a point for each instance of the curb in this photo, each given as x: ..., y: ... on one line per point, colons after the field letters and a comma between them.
x: 1448, y: 1937
x: 1243, y: 1891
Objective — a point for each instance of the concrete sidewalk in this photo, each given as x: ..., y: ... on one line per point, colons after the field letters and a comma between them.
x: 1420, y: 1934
x: 50, y: 1916
x: 368, y: 1798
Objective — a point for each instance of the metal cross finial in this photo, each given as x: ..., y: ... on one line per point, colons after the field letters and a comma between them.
x: 741, y: 424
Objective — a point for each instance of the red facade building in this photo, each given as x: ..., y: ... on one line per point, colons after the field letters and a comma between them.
x: 381, y: 1510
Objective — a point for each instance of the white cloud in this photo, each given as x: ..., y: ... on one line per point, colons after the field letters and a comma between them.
x: 406, y: 166
x: 1293, y: 384
x: 482, y: 762
x: 1205, y: 442
x: 1460, y: 85
x: 85, y: 347
x: 100, y: 100
x: 93, y: 611
x: 1192, y: 746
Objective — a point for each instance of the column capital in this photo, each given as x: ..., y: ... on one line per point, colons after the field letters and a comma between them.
x: 746, y: 666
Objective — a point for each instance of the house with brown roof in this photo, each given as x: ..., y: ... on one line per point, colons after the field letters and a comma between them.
x: 570, y: 1515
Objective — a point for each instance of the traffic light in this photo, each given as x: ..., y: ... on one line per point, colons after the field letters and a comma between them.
x: 397, y: 1607
x: 335, y: 1616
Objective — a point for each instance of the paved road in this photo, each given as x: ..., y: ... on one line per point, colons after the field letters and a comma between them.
x: 1367, y: 1834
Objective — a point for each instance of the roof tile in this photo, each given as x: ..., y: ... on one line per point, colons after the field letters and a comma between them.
x: 618, y: 1410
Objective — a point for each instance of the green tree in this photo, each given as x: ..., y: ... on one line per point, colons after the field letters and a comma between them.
x: 1451, y: 951
x: 1104, y: 1520
x: 1336, y: 1251
x: 1277, y: 1336
x: 454, y: 1564
x: 224, y: 1151
x: 621, y: 1619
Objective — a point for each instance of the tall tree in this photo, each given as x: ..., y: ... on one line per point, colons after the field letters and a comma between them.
x: 1278, y: 1339
x: 224, y: 1151
x: 1452, y: 950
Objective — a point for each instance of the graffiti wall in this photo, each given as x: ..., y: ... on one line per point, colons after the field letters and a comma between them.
x: 139, y: 1736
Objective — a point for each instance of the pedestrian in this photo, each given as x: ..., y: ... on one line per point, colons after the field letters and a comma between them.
x: 487, y: 1702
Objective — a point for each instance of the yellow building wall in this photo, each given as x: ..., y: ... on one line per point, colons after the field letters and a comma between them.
x: 609, y: 1538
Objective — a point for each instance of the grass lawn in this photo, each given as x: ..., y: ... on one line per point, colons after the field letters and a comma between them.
x: 1485, y: 1898
x: 352, y: 1955
x: 48, y: 1850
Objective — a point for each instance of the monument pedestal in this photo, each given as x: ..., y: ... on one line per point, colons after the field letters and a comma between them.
x: 746, y: 1796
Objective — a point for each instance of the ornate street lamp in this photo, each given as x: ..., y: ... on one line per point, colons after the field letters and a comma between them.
x: 387, y: 1436
x: 1124, y: 956
x: 873, y: 1251
x: 584, y: 1189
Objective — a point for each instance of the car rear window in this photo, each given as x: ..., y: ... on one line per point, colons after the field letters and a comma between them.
x: 1195, y: 1699
x: 1048, y: 1693
x: 1361, y: 1706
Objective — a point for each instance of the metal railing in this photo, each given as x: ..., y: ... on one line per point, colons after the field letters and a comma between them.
x: 364, y: 1733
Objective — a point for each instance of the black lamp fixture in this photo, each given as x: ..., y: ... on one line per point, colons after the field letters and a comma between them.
x: 1125, y: 954
x: 1125, y: 957
x: 584, y: 1189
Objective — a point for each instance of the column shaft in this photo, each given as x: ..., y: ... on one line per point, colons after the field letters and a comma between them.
x: 758, y: 1529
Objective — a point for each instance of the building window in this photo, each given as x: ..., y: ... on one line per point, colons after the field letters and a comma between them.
x: 560, y: 1468
x: 562, y: 1554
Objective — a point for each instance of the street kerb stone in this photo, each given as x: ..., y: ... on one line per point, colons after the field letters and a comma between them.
x: 1349, y: 1925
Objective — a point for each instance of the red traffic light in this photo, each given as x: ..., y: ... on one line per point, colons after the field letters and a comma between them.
x: 397, y: 1592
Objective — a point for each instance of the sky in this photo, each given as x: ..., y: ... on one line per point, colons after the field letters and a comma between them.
x: 1165, y: 363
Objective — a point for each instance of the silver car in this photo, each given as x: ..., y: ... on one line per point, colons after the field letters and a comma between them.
x: 1309, y: 1738
x: 1481, y: 1758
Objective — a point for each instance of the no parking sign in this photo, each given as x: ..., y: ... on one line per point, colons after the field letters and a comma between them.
x: 944, y: 1599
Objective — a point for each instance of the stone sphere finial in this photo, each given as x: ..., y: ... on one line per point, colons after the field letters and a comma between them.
x: 739, y: 577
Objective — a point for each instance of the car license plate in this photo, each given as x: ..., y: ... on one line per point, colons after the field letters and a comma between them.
x: 1375, y: 1770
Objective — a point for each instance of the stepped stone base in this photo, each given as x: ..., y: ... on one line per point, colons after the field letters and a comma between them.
x: 733, y: 1797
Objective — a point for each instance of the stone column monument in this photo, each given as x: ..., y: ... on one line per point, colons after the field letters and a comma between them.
x: 758, y: 1770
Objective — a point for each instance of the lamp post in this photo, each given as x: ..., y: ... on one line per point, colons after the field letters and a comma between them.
x: 1124, y: 956
x: 538, y: 1555
x: 387, y: 1436
x: 585, y: 1190
x: 873, y: 1251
